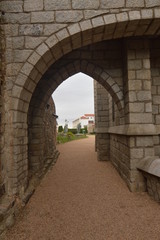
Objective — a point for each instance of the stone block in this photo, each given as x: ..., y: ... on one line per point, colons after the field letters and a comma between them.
x: 42, y: 17
x: 144, y: 95
x: 109, y: 19
x: 155, y: 109
x: 157, y: 13
x: 112, y: 4
x: 157, y: 150
x: 17, y: 18
x: 156, y: 100
x: 146, y: 63
x: 34, y: 58
x: 136, y: 107
x: 152, y: 3
x: 143, y: 74
x: 134, y: 15
x: 62, y: 34
x: 52, y: 28
x: 158, y: 119
x: 33, y: 42
x: 122, y: 17
x: 42, y: 49
x: 98, y: 21
x: 134, y: 64
x: 17, y: 55
x: 68, y: 16
x: 148, y: 107
x: 154, y: 90
x: 30, y: 5
x: 57, y: 4
x: 83, y: 4
x: 144, y: 141
x: 31, y: 29
x: 136, y: 153
x: 131, y: 75
x: 135, y: 3
x: 156, y: 81
x: 149, y: 152
x: 156, y: 140
x: 11, y: 29
x: 135, y: 85
x: 147, y: 13
x: 140, y: 118
x: 12, y: 69
x: 147, y: 85
x: 93, y: 13
x: 15, y: 42
x: 27, y: 68
x: 11, y: 6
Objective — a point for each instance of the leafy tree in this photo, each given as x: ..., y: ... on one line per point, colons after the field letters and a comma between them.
x: 60, y: 129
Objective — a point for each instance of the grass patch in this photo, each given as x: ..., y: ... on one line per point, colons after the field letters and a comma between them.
x: 63, y: 138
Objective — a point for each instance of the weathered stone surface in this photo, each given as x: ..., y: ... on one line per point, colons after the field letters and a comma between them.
x: 140, y: 118
x: 11, y: 6
x: 37, y: 34
x: 111, y: 18
x: 17, y: 18
x: 136, y: 107
x: 136, y: 153
x: 36, y: 5
x: 33, y: 42
x: 17, y: 55
x: 52, y: 28
x: 94, y: 13
x: 76, y: 4
x: 11, y: 30
x: 147, y: 13
x: 57, y: 4
x: 112, y: 3
x: 68, y: 16
x: 144, y: 141
x: 15, y: 42
x: 135, y: 3
x: 143, y: 95
x: 31, y: 29
x: 44, y: 16
x: 152, y: 3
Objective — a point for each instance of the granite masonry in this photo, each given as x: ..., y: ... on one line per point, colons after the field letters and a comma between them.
x: 42, y: 43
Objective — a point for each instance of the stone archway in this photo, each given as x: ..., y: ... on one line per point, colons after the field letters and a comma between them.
x: 49, y: 82
x: 74, y: 36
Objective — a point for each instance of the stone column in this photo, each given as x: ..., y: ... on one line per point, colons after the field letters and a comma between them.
x: 101, y: 122
x: 139, y: 99
x: 138, y: 108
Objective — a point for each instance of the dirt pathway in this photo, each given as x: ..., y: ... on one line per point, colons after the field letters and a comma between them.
x: 83, y: 199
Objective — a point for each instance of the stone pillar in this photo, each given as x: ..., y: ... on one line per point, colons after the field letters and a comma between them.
x: 139, y: 99
x: 138, y: 108
x: 101, y: 122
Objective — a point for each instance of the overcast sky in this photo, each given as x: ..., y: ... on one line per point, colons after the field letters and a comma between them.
x: 73, y: 98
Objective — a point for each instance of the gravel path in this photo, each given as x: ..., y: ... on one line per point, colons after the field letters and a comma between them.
x: 83, y: 199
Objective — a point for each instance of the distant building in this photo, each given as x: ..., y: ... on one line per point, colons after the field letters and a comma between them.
x: 87, y: 120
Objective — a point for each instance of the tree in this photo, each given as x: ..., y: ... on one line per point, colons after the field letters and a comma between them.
x: 60, y: 129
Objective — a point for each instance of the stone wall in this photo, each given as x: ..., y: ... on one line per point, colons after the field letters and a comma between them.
x: 2, y: 87
x: 43, y: 37
x: 42, y: 138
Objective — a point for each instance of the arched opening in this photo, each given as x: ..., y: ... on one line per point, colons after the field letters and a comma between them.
x: 64, y: 54
x: 74, y: 98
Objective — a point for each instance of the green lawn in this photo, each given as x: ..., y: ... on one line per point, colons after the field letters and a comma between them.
x: 63, y: 138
